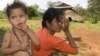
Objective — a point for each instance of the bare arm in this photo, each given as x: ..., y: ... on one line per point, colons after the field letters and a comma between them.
x: 6, y: 49
x: 30, y: 33
x: 70, y: 39
x: 67, y: 33
x: 33, y: 37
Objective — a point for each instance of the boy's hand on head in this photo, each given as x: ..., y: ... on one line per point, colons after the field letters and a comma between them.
x: 65, y: 26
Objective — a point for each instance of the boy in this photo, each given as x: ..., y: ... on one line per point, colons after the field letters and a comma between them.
x: 54, y: 21
x: 17, y: 41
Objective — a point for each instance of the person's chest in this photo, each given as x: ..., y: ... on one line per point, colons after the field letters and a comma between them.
x: 45, y: 44
x: 19, y: 39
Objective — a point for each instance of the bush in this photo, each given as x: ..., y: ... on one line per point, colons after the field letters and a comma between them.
x: 2, y: 15
x: 32, y: 12
x: 35, y: 18
x: 94, y: 19
x: 2, y: 32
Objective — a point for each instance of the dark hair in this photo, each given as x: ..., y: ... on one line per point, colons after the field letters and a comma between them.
x: 50, y: 14
x: 15, y: 5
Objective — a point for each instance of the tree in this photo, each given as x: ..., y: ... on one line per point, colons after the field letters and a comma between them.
x: 94, y: 8
x: 33, y: 11
x: 2, y: 15
x: 82, y: 11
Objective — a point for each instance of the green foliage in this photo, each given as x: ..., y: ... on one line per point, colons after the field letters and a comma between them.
x: 33, y: 11
x: 2, y: 31
x: 92, y: 13
x: 94, y: 8
x: 2, y: 15
x: 35, y: 18
x: 94, y: 19
x: 80, y: 10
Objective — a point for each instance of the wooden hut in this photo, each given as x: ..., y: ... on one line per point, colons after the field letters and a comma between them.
x: 70, y: 13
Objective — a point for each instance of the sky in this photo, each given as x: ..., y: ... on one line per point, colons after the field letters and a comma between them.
x: 43, y: 3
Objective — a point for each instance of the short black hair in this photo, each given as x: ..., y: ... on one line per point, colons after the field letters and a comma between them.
x: 15, y: 5
x: 50, y: 14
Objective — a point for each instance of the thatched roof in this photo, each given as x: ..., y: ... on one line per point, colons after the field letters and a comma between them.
x: 70, y: 14
x: 69, y: 11
x: 60, y: 5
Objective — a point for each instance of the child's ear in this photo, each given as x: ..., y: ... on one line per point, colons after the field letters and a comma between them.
x: 48, y: 24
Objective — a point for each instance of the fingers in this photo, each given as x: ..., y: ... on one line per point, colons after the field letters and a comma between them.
x: 65, y: 25
x: 66, y: 20
x: 22, y: 26
x: 24, y: 46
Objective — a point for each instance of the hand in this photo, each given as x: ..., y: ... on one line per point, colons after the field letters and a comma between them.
x: 24, y: 46
x: 65, y: 26
x: 23, y: 27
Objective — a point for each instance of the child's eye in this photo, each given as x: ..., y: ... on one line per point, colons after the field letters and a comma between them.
x: 13, y: 17
x: 59, y: 20
x: 21, y: 15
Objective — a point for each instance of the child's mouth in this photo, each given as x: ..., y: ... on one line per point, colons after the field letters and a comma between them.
x: 20, y: 25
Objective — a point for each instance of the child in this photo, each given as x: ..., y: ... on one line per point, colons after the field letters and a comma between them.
x: 17, y: 41
x: 54, y: 21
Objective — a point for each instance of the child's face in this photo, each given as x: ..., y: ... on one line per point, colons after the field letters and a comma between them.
x: 18, y: 17
x: 56, y: 25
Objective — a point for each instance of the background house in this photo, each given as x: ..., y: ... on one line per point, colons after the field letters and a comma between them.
x: 70, y: 13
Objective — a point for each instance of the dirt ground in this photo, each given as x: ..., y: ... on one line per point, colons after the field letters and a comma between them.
x: 91, y: 39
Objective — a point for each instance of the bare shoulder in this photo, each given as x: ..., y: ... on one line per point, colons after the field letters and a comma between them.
x: 7, y: 35
x: 6, y: 39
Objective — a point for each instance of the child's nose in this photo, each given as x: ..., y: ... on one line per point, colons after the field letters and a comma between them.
x: 19, y: 19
